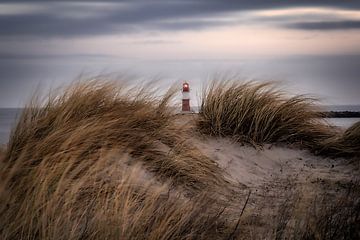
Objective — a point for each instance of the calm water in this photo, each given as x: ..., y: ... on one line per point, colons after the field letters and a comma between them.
x: 342, y: 122
x: 8, y: 118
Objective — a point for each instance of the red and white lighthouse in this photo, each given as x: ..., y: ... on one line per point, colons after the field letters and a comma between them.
x: 186, y: 97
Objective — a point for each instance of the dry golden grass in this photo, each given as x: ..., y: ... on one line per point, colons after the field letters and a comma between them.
x: 257, y: 113
x: 346, y: 144
x: 71, y: 171
x: 96, y: 162
x: 260, y: 113
x: 351, y: 137
x: 336, y: 218
x: 101, y: 115
x: 109, y: 201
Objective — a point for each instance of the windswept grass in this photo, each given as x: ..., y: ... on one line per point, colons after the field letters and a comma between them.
x: 97, y: 115
x: 71, y: 171
x: 344, y: 144
x: 102, y: 160
x: 338, y: 218
x: 351, y: 138
x: 259, y: 113
x: 110, y: 200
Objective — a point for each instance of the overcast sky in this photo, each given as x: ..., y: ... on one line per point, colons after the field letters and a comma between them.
x: 313, y: 46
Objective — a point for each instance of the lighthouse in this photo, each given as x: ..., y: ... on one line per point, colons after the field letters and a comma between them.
x: 186, y: 97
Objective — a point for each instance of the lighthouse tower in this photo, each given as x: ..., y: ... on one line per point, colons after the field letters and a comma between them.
x: 186, y: 97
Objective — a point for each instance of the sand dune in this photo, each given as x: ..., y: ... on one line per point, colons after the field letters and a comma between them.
x: 130, y: 168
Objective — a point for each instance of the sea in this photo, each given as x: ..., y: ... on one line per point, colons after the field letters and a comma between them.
x: 8, y: 117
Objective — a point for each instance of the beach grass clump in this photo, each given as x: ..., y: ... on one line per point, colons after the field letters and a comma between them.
x: 331, y: 217
x: 351, y: 138
x: 94, y: 115
x: 71, y: 170
x: 109, y: 200
x: 257, y: 113
x: 345, y: 144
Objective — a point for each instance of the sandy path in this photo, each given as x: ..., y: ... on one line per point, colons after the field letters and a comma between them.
x: 255, y: 167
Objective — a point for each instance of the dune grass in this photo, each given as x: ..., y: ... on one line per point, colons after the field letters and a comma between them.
x: 327, y: 216
x: 258, y: 113
x: 109, y: 201
x: 71, y: 170
x: 92, y: 116
x: 102, y: 160
x: 336, y: 218
x: 351, y: 138
x: 346, y: 144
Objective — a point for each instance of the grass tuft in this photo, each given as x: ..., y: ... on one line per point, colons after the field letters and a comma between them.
x: 259, y: 113
x: 346, y: 144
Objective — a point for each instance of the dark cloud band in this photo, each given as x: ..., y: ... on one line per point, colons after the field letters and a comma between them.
x: 326, y: 26
x: 65, y: 19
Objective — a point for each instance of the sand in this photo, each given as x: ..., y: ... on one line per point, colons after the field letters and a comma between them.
x: 278, y: 176
x: 254, y: 167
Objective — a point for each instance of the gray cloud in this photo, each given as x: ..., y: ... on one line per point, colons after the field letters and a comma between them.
x: 66, y: 19
x: 21, y: 56
x: 254, y: 4
x: 320, y: 25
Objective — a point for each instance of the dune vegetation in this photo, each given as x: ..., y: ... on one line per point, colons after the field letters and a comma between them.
x: 346, y: 144
x: 97, y: 162
x: 351, y: 137
x: 104, y: 160
x: 258, y: 113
